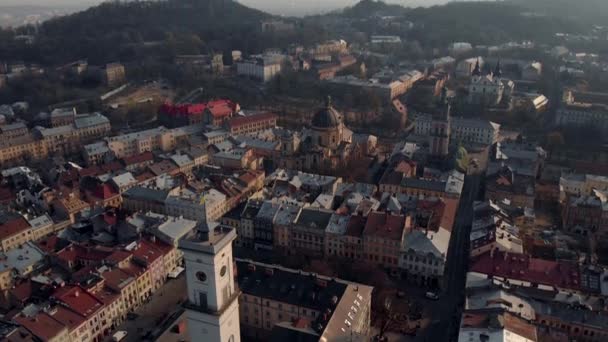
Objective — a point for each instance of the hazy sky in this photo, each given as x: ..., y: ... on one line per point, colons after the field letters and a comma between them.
x: 288, y: 7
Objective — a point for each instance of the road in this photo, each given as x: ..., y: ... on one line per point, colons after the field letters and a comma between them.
x: 445, y: 322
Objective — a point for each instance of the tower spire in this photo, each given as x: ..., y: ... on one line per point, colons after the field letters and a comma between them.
x: 477, y: 70
x: 497, y: 70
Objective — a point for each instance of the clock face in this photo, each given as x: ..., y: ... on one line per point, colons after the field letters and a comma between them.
x: 201, y: 276
x: 223, y: 271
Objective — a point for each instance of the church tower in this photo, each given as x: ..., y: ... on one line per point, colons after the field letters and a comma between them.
x: 441, y: 129
x: 212, y: 309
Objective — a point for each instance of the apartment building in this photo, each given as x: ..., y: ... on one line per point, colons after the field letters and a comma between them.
x: 331, y: 309
x: 383, y: 238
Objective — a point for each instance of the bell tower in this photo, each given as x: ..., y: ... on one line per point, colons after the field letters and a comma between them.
x: 441, y: 129
x: 212, y: 308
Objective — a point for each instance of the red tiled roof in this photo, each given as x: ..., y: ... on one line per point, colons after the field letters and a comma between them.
x: 243, y: 120
x: 145, y: 176
x: 117, y: 278
x: 42, y: 325
x: 105, y: 191
x: 90, y: 171
x: 23, y: 291
x: 407, y: 167
x: 449, y: 213
x: 250, y: 176
x: 49, y: 244
x: 118, y: 256
x: 111, y: 167
x: 107, y: 296
x: 138, y: 158
x: 164, y: 247
x: 524, y: 268
x: 134, y: 269
x: 79, y: 300
x: 183, y: 109
x: 12, y: 227
x: 147, y: 252
x: 356, y: 225
x: 432, y: 209
x: 220, y: 109
x: 75, y: 252
x: 67, y: 317
x: 385, y: 225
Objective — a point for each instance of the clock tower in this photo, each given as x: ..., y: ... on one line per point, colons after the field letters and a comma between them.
x: 212, y: 308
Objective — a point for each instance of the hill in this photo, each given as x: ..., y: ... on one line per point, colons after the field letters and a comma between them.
x: 114, y: 30
x: 589, y: 11
x: 486, y: 23
x: 367, y: 8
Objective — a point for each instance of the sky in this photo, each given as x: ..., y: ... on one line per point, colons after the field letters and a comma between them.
x: 284, y: 7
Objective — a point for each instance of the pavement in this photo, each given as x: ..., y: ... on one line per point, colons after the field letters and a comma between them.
x: 162, y: 305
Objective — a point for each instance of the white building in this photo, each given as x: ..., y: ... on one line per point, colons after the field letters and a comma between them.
x: 208, y: 206
x: 532, y: 71
x: 583, y: 115
x: 581, y: 185
x: 260, y: 68
x: 212, y: 309
x: 381, y: 40
x: 490, y: 89
x: 459, y: 48
x: 424, y: 254
x: 495, y: 327
x: 462, y: 129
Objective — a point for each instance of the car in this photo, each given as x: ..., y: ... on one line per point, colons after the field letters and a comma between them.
x: 432, y: 295
x: 132, y: 316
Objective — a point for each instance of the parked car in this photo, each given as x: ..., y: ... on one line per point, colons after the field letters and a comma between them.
x: 432, y: 295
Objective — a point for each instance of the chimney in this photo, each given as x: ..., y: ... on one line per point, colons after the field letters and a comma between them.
x: 76, y: 294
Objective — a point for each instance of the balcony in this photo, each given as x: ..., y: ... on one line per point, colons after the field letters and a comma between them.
x: 212, y: 311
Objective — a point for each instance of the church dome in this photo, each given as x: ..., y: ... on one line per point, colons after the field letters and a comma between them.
x: 326, y: 117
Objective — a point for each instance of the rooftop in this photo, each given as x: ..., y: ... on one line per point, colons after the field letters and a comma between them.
x: 79, y: 300
x: 13, y: 227
x: 314, y: 218
x: 385, y: 225
x: 528, y: 270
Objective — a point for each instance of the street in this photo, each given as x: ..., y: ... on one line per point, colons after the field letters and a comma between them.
x: 446, y: 319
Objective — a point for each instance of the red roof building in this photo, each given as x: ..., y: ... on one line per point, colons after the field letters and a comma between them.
x: 69, y: 318
x: 43, y: 326
x: 14, y: 232
x: 523, y: 268
x: 79, y: 300
x: 76, y: 255
x: 138, y: 161
x: 175, y: 115
x: 383, y: 238
x: 247, y: 124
